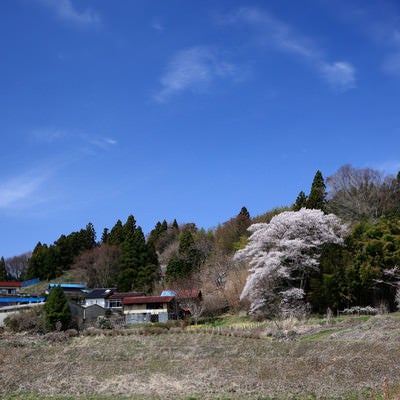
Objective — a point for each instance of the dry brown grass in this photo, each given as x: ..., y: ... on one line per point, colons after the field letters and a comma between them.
x: 342, y: 362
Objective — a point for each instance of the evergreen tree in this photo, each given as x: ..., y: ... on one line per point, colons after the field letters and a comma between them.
x: 3, y: 270
x: 138, y: 261
x: 117, y: 234
x: 301, y: 202
x: 231, y: 234
x: 317, y: 197
x: 243, y: 222
x: 43, y: 262
x: 104, y: 236
x: 175, y: 225
x: 244, y: 213
x: 186, y: 242
x: 177, y: 268
x: 90, y: 236
x: 57, y: 309
x: 126, y: 280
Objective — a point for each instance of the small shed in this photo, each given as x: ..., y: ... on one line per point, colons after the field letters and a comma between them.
x: 85, y: 316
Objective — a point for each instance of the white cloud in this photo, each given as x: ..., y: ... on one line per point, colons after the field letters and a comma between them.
x: 193, y: 69
x: 65, y: 10
x: 271, y: 31
x: 340, y: 75
x: 103, y: 143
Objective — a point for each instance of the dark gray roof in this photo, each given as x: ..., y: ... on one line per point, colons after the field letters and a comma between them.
x: 100, y: 293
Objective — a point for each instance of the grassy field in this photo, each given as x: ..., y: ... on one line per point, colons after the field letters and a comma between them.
x: 344, y: 360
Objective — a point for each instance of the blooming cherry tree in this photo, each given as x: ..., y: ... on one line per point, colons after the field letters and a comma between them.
x: 283, y: 252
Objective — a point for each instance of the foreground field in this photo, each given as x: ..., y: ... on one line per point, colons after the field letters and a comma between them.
x: 341, y: 361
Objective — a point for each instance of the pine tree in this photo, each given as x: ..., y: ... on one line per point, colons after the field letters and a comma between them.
x: 317, y: 197
x: 57, y: 309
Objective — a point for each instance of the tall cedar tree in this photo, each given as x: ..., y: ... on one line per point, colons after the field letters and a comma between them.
x: 3, y: 270
x: 138, y: 262
x: 57, y: 309
x: 317, y: 197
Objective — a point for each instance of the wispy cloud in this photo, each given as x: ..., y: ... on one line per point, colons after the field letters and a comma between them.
x: 22, y: 189
x: 66, y: 11
x: 48, y: 135
x: 73, y: 139
x: 270, y: 31
x: 157, y: 25
x: 103, y: 143
x: 194, y: 69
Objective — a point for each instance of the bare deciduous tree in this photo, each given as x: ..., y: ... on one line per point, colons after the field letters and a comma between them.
x: 16, y: 266
x: 98, y: 265
x: 356, y: 194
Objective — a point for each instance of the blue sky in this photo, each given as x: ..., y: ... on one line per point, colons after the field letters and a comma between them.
x: 186, y: 109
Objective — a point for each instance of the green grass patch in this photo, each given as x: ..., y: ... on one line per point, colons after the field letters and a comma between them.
x: 318, y: 335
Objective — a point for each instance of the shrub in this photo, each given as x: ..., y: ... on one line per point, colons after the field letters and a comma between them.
x: 26, y: 321
x: 103, y: 322
x: 58, y: 314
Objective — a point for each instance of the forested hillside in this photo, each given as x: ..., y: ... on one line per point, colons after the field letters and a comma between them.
x: 357, y: 267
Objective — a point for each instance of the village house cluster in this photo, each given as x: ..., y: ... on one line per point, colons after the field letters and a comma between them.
x: 87, y: 305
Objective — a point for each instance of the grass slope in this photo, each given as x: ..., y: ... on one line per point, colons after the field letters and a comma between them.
x: 341, y: 361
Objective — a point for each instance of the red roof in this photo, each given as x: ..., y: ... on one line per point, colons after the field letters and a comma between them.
x: 117, y: 296
x: 10, y: 284
x: 147, y: 299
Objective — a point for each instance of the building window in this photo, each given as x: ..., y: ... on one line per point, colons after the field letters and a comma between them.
x: 155, y: 306
x: 114, y: 304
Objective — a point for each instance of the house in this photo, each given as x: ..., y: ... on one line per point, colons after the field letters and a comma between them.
x: 150, y: 309
x: 114, y: 302
x: 10, y: 294
x: 99, y: 296
x: 10, y: 288
x: 74, y: 291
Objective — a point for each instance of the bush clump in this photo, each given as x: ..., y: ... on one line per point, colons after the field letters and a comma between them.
x: 31, y: 320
